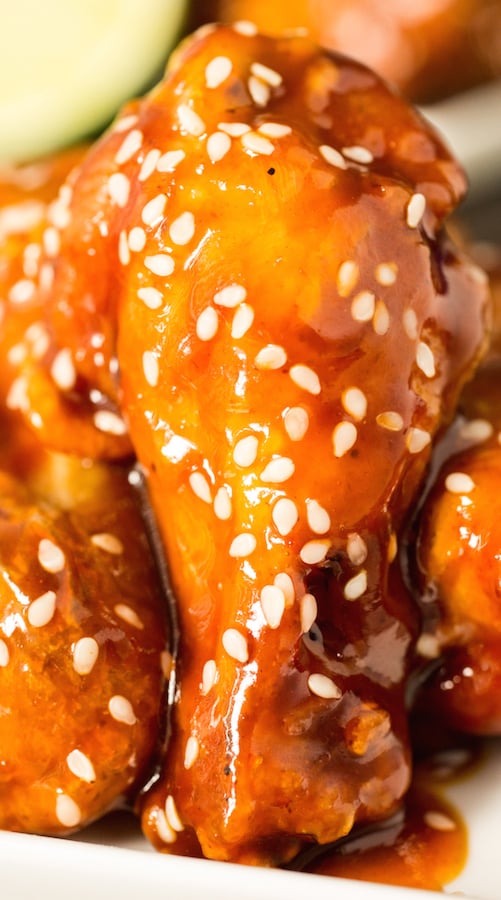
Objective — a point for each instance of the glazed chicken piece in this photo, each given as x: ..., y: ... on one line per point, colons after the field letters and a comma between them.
x: 284, y: 328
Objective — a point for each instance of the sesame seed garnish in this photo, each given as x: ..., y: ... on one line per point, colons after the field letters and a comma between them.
x: 323, y: 687
x: 67, y: 811
x: 200, y: 486
x: 332, y: 156
x: 222, y: 504
x: 46, y: 277
x: 242, y: 320
x: 123, y: 249
x: 247, y: 29
x: 356, y: 549
x: 459, y: 483
x: 50, y: 556
x: 160, y: 264
x: 271, y: 77
x: 390, y: 420
x: 358, y: 154
x: 386, y: 274
x: 151, y: 297
x: 172, y: 814
x: 51, y: 241
x: 305, y: 378
x: 347, y: 277
x: 278, y: 470
x: 137, y: 239
x: 207, y: 324
x: 256, y: 143
x: 245, y: 451
x: 191, y: 751
x: 476, y: 431
x: 234, y: 129
x: 38, y: 336
x: 218, y: 145
x: 129, y: 147
x: 271, y: 357
x: 149, y: 164
x: 381, y: 320
x: 392, y: 547
x: 182, y: 229
x: 170, y: 160
x: 439, y: 821
x: 235, y: 645
x: 107, y: 542
x: 417, y: 439
x: 129, y: 615
x: 272, y: 604
x: 80, y: 765
x: 17, y: 397
x: 209, y: 675
x: 318, y: 518
x: 274, y: 129
x: 22, y: 291
x: 109, y: 422
x: 285, y: 515
x: 286, y: 585
x: 217, y: 71
x: 314, y: 552
x: 363, y: 306
x: 242, y: 545
x: 259, y: 90
x: 308, y: 611
x: 119, y: 188
x: 4, y: 653
x: 41, y: 611
x: 296, y: 422
x: 63, y: 371
x: 410, y: 323
x: 344, y: 437
x: 356, y: 586
x: 190, y: 121
x: 354, y: 403
x: 428, y: 646
x: 230, y: 296
x: 124, y: 124
x: 121, y: 710
x: 85, y: 654
x: 425, y: 360
x: 17, y: 354
x: 164, y: 831
x: 415, y: 210
x: 153, y: 211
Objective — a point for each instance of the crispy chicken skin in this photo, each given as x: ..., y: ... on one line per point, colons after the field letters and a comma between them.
x: 257, y: 251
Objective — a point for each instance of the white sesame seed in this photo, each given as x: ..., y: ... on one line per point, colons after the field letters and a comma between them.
x: 242, y: 545
x: 190, y: 121
x: 386, y: 274
x: 234, y: 129
x: 356, y: 586
x: 191, y: 752
x: 124, y: 124
x: 308, y: 611
x: 358, y: 154
x: 217, y: 71
x: 347, y: 277
x: 207, y: 324
x: 17, y: 354
x: 356, y: 549
x: 149, y: 164
x: 107, y: 542
x: 410, y: 323
x: 363, y: 306
x: 172, y: 814
x: 305, y: 378
x: 245, y: 451
x: 425, y: 359
x: 390, y: 420
x: 459, y: 483
x: 242, y: 321
x: 22, y: 291
x: 415, y: 210
x: 428, y: 646
x: 123, y: 249
x: 247, y: 29
x: 476, y: 431
x: 17, y: 397
x: 439, y: 821
x: 296, y: 422
x: 256, y: 143
x: 323, y: 687
x: 354, y: 403
x: 274, y: 129
x: 286, y: 585
x: 209, y: 675
x: 164, y: 831
x: 271, y: 357
x: 129, y: 147
x: 160, y: 264
x: 41, y: 611
x: 200, y: 486
x: 129, y: 615
x: 318, y: 518
x: 218, y: 145
x: 260, y: 91
x: 121, y: 710
x: 51, y: 241
x: 381, y: 321
x: 38, y: 336
x: 80, y: 765
x: 285, y: 515
x: 344, y: 437
x: 182, y: 229
x: 332, y: 156
x: 4, y: 653
x: 67, y: 811
x: 235, y: 645
x: 85, y: 653
x: 151, y: 297
x: 170, y: 160
x: 230, y: 296
x: 314, y: 552
x: 63, y: 371
x: 222, y: 504
x: 119, y: 188
x: 272, y: 601
x: 109, y: 422
x: 278, y: 470
x: 137, y: 239
x: 50, y: 556
x: 46, y: 277
x: 271, y: 77
x: 417, y: 439
x: 153, y: 211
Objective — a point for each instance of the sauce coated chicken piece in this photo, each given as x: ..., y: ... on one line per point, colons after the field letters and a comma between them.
x: 284, y: 328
